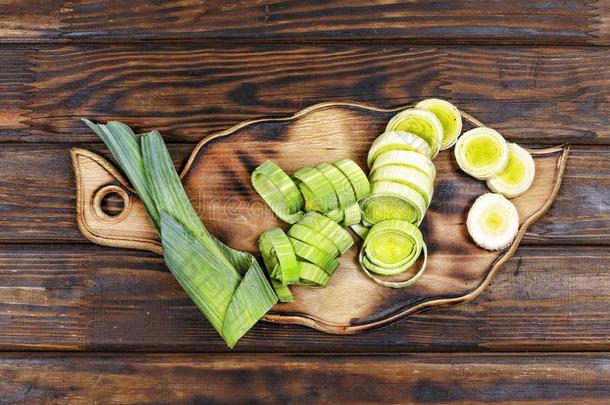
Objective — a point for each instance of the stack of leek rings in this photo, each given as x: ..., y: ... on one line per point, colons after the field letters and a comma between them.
x: 333, y: 189
x: 402, y: 185
x: 307, y: 255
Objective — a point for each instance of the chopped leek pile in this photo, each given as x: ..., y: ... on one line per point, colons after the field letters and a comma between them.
x: 493, y: 221
x: 227, y: 285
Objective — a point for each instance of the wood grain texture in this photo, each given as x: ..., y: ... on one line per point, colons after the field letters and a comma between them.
x: 38, y: 196
x: 459, y: 379
x: 539, y: 22
x: 71, y: 297
x: 530, y: 94
x: 216, y: 178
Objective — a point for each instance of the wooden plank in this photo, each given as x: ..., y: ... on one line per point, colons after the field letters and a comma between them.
x: 541, y: 95
x: 38, y: 196
x: 103, y: 299
x: 188, y: 378
x: 447, y: 21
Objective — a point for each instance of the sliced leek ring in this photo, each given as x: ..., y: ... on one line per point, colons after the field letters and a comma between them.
x: 493, y: 221
x: 279, y: 256
x: 481, y: 152
x: 421, y: 123
x: 355, y: 175
x: 314, y: 238
x: 397, y: 140
x: 317, y: 191
x: 351, y: 215
x: 341, y: 184
x: 328, y: 228
x: 314, y: 255
x: 405, y: 158
x: 390, y: 248
x: 279, y: 191
x: 361, y: 230
x: 448, y: 115
x: 312, y: 275
x: 282, y: 291
x: 407, y: 175
x: 390, y: 200
x: 517, y: 176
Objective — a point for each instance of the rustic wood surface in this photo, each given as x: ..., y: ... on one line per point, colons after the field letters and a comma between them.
x: 539, y: 71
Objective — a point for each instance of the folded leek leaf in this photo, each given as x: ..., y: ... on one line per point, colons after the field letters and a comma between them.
x: 227, y: 285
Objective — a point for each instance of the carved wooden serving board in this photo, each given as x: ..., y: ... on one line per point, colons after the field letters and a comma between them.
x: 217, y: 180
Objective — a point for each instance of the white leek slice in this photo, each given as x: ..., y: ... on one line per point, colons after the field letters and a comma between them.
x: 410, y: 176
x: 279, y: 191
x: 355, y: 175
x: 493, y: 221
x: 421, y: 123
x: 317, y: 191
x: 517, y: 176
x: 390, y: 248
x: 390, y: 200
x: 405, y: 158
x: 330, y: 229
x: 397, y: 140
x: 481, y: 152
x: 448, y: 115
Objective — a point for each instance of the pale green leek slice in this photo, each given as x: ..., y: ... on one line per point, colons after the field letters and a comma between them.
x: 360, y: 229
x: 341, y: 184
x: 421, y: 123
x: 313, y: 275
x: 397, y: 140
x: 312, y: 237
x: 278, y: 255
x: 390, y: 248
x: 317, y: 191
x: 407, y: 175
x: 481, y: 152
x: 282, y: 291
x: 227, y: 285
x: 330, y: 229
x: 351, y: 215
x: 391, y: 200
x: 314, y: 255
x: 448, y: 115
x: 356, y: 177
x: 517, y: 176
x: 405, y: 158
x: 278, y: 190
x: 493, y: 222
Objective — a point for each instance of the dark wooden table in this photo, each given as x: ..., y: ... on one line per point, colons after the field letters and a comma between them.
x: 83, y: 323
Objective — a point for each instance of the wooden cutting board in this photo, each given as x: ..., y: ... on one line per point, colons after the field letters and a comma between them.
x: 217, y: 180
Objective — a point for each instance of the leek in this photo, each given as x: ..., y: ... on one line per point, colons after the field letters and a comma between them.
x: 227, y: 285
x: 481, y: 152
x: 448, y: 115
x: 391, y: 247
x: 278, y: 191
x: 493, y: 222
x: 421, y: 123
x: 517, y: 176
